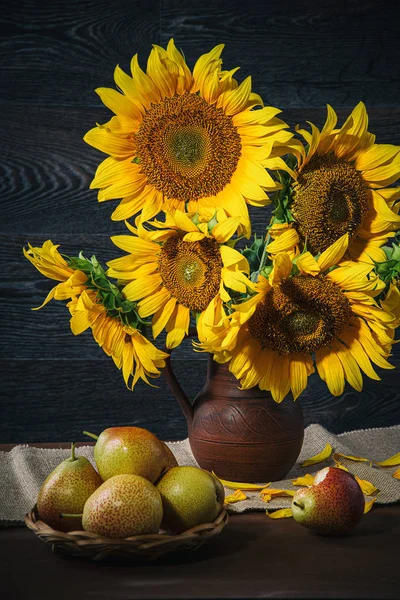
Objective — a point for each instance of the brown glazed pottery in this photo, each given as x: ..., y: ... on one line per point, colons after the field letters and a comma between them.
x: 241, y: 435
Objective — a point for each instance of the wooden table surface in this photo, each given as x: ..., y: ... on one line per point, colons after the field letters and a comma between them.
x: 253, y: 557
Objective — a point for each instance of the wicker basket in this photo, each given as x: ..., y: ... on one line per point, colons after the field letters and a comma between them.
x: 139, y: 548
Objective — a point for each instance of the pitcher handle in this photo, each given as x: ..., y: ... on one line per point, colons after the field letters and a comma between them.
x: 176, y: 387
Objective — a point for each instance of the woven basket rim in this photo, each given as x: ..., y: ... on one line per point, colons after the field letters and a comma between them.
x: 161, y: 542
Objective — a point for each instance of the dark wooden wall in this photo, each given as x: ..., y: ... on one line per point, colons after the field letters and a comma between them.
x: 301, y: 55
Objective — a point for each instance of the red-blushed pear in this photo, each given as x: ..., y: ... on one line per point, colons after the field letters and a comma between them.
x: 65, y: 490
x: 333, y: 505
x: 191, y: 496
x: 123, y: 506
x: 131, y: 450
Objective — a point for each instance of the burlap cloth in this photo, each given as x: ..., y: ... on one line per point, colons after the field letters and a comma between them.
x: 24, y: 468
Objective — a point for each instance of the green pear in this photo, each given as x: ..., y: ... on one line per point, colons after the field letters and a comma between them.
x: 333, y: 505
x: 190, y: 496
x: 65, y: 490
x: 123, y: 506
x: 131, y: 450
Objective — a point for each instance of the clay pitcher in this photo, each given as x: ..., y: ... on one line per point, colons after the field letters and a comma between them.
x: 241, y: 435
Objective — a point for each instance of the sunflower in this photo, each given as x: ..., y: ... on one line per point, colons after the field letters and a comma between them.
x: 130, y: 350
x: 181, y: 268
x: 186, y: 140
x: 51, y: 264
x: 341, y: 186
x: 304, y: 314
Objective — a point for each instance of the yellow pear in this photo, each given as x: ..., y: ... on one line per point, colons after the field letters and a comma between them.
x: 123, y: 506
x: 131, y: 450
x: 65, y: 490
x: 191, y: 496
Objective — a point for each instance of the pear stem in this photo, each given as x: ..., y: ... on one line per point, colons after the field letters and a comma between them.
x: 73, y: 457
x: 92, y: 435
x: 71, y: 515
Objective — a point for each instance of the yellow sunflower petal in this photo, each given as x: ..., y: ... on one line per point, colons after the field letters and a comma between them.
x: 269, y: 493
x: 237, y: 496
x: 282, y: 268
x: 298, y: 374
x: 280, y: 378
x: 106, y: 142
x: 330, y: 370
x: 305, y: 480
x: 320, y: 457
x: 332, y: 255
x: 162, y: 316
x: 306, y: 263
x: 393, y: 461
x: 140, y: 288
x: 368, y: 505
x: 338, y: 456
x: 284, y: 242
x: 234, y: 485
x: 282, y: 513
x: 222, y: 232
x: 367, y: 487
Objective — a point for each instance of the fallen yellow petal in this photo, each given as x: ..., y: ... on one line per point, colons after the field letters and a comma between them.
x: 368, y: 505
x: 235, y: 485
x: 237, y: 496
x: 326, y: 452
x: 396, y: 474
x: 367, y: 487
x: 268, y: 493
x: 282, y: 513
x: 338, y: 455
x: 339, y: 466
x: 304, y: 481
x: 393, y: 461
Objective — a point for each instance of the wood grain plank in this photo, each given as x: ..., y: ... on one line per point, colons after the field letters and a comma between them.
x: 56, y: 400
x: 299, y: 54
x: 59, y: 52
x: 46, y: 169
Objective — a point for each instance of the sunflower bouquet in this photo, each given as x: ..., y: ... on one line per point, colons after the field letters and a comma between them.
x: 188, y: 152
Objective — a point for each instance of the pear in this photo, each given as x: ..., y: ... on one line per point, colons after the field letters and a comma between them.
x: 131, y: 450
x: 333, y: 505
x: 191, y: 496
x: 65, y: 490
x: 123, y: 506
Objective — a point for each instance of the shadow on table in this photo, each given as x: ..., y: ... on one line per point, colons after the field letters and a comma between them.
x: 230, y: 542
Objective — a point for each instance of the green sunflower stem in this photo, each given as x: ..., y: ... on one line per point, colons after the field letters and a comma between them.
x: 264, y: 254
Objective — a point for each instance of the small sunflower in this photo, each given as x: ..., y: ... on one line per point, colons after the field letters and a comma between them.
x: 305, y: 314
x: 186, y: 140
x: 132, y: 353
x: 341, y: 186
x: 181, y: 268
x: 51, y: 264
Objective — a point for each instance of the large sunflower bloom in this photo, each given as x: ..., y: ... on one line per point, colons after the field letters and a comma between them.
x: 178, y: 269
x: 186, y: 140
x: 51, y: 264
x: 316, y: 315
x: 341, y: 186
x: 130, y: 350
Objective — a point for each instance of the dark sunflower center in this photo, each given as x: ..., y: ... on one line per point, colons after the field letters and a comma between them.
x: 330, y: 200
x: 188, y: 149
x: 187, y: 145
x: 191, y: 271
x: 300, y: 314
